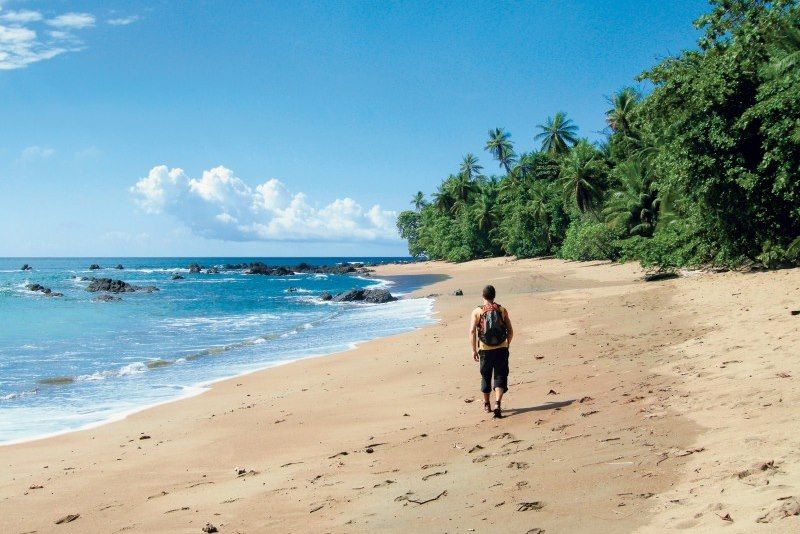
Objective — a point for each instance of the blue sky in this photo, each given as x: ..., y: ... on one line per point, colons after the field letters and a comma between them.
x: 284, y: 128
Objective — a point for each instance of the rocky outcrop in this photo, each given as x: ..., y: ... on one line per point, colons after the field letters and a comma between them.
x: 374, y: 296
x: 106, y: 298
x: 26, y: 267
x: 39, y: 288
x: 177, y: 277
x: 261, y: 268
x: 119, y: 267
x: 212, y: 270
x: 94, y: 267
x: 195, y: 267
x: 116, y: 286
x: 326, y: 296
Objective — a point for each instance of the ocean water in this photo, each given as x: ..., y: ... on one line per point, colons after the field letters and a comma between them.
x: 70, y: 362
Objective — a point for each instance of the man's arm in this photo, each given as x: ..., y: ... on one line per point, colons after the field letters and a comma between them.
x: 473, y: 335
x: 509, y: 328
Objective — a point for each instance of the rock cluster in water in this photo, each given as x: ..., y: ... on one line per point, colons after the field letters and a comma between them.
x: 374, y: 296
x: 258, y: 267
x: 39, y: 288
x: 26, y: 267
x: 94, y: 267
x: 116, y: 286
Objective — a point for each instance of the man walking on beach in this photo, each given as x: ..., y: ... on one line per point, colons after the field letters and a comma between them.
x: 490, y: 335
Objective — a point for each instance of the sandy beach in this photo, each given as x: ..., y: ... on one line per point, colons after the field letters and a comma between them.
x: 633, y: 407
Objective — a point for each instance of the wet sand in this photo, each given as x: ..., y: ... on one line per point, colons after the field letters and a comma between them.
x: 633, y: 407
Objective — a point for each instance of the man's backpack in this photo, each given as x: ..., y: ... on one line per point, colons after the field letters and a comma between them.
x: 492, y: 329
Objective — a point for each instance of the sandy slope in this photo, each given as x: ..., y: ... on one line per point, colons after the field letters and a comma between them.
x: 672, y: 405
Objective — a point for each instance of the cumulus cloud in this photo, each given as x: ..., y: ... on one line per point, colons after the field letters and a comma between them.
x: 73, y: 21
x: 21, y: 17
x: 220, y: 205
x: 123, y: 21
x: 36, y: 152
x: 26, y: 39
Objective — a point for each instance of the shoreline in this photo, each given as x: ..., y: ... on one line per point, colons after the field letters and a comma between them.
x: 198, y: 388
x: 604, y: 431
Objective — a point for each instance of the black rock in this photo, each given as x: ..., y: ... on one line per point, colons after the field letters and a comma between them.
x: 119, y: 267
x: 105, y: 297
x: 458, y: 293
x: 177, y: 277
x: 660, y: 275
x: 212, y: 270
x: 195, y: 267
x: 39, y: 288
x: 94, y: 267
x: 260, y: 268
x: 116, y: 286
x: 326, y: 296
x: 291, y: 289
x: 375, y: 296
x: 26, y: 267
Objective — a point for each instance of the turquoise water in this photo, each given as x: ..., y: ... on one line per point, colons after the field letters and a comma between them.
x: 70, y: 362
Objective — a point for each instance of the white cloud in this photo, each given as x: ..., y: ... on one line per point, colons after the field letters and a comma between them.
x: 26, y: 39
x: 36, y: 152
x: 220, y: 205
x: 123, y: 21
x: 74, y: 21
x: 21, y: 17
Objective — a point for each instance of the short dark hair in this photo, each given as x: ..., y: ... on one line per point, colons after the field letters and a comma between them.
x: 488, y: 292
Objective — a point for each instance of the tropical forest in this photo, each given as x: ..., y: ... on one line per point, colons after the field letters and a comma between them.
x: 700, y: 169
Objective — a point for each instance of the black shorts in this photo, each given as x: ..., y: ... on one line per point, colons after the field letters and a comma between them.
x: 494, y: 362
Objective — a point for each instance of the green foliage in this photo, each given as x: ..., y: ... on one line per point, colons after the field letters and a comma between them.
x: 589, y: 239
x: 703, y: 170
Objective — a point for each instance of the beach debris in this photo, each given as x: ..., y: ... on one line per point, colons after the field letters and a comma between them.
x: 783, y: 375
x: 469, y: 400
x: 552, y: 392
x: 343, y: 453
x: 788, y: 507
x: 726, y: 517
x: 243, y: 472
x: 316, y: 509
x: 536, y: 531
x: 421, y: 501
x: 35, y: 487
x: 458, y: 293
x: 369, y: 450
x: 69, y: 518
x: 660, y: 275
x: 527, y: 506
x: 181, y: 509
x: 144, y: 436
x: 585, y: 399
x: 209, y: 528
x: 795, y: 312
x: 436, y: 474
x: 539, y: 357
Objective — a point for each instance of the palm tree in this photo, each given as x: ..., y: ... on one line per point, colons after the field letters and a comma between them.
x: 443, y: 197
x: 558, y: 134
x: 482, y: 211
x: 418, y: 201
x: 785, y: 50
x: 499, y: 144
x: 462, y: 189
x: 635, y: 205
x: 623, y: 105
x: 581, y: 176
x: 470, y: 167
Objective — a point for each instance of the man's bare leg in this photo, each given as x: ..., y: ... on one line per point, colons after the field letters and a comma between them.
x: 498, y: 392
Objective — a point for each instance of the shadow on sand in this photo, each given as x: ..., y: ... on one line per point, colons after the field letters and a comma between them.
x: 542, y: 407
